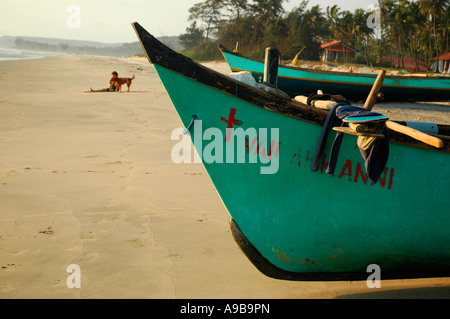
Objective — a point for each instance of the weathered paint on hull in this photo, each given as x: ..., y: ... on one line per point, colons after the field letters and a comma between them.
x: 311, y: 222
x: 303, y: 82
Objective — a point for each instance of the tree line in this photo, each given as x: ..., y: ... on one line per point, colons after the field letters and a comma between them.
x: 416, y: 29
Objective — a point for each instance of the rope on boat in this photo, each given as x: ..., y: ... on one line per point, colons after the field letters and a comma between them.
x: 191, y: 124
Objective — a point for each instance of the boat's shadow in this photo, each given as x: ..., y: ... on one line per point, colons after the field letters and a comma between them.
x: 409, y: 293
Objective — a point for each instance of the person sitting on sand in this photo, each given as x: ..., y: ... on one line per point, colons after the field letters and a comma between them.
x: 112, y: 84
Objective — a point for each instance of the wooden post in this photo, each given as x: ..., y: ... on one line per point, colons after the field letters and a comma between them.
x: 373, y: 95
x: 237, y: 48
x: 271, y: 66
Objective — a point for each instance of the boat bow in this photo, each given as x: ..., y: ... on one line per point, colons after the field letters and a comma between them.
x: 308, y: 224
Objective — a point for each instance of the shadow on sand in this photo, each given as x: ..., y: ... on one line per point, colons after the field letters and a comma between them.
x: 410, y: 293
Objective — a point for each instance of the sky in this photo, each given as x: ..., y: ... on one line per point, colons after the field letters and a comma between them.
x: 109, y: 20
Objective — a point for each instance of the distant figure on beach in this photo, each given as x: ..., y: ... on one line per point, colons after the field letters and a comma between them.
x: 115, y: 83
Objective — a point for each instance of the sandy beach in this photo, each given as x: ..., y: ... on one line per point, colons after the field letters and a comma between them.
x: 87, y: 179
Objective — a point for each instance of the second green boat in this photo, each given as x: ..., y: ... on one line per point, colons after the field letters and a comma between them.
x: 354, y: 86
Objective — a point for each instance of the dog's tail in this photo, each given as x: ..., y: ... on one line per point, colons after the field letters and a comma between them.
x: 132, y: 77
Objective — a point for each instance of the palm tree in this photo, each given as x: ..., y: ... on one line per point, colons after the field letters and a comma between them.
x: 400, y: 16
x: 433, y: 10
x: 361, y: 30
x: 444, y: 26
x: 414, y: 31
x: 388, y: 34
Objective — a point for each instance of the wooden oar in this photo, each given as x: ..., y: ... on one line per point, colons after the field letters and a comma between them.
x: 418, y: 135
x: 324, y: 105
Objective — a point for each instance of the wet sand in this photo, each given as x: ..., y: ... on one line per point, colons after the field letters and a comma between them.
x: 87, y: 179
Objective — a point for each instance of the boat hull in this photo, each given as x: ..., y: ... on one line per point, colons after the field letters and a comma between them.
x: 312, y: 224
x: 296, y: 81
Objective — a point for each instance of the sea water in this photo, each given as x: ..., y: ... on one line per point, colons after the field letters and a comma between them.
x: 17, y: 54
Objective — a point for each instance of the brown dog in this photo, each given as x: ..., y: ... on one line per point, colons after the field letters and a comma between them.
x: 117, y: 82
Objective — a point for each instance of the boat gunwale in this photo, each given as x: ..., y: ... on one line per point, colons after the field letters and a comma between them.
x: 347, y: 83
x: 162, y: 55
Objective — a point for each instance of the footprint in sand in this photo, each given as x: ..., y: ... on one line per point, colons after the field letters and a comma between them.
x: 137, y: 243
x: 89, y: 256
x: 47, y: 231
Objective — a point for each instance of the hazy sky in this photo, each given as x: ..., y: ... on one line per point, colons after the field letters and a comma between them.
x: 109, y: 20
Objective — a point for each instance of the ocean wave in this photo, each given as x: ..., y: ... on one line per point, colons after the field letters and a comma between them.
x: 17, y: 54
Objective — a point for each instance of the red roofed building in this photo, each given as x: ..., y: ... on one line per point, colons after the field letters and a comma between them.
x: 442, y: 63
x: 337, y: 51
x: 406, y: 63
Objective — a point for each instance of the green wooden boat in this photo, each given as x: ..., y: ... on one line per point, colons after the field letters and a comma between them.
x: 354, y: 86
x: 297, y: 224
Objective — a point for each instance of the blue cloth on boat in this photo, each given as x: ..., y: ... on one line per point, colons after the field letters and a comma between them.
x: 335, y: 151
x: 329, y: 123
x: 350, y: 110
x: 375, y: 157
